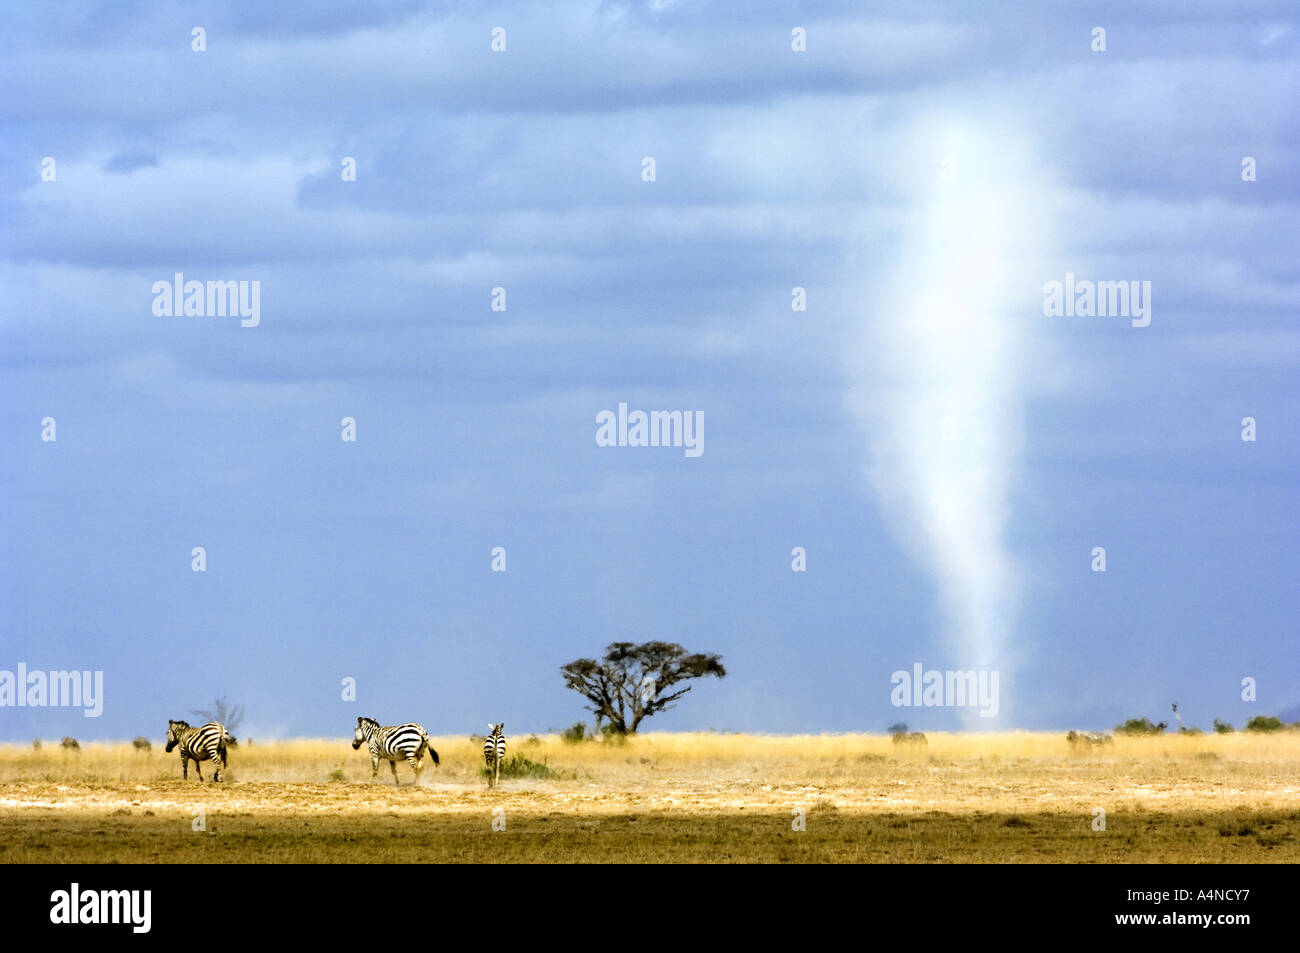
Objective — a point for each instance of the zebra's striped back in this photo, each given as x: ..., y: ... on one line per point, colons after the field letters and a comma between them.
x: 397, y: 742
x: 394, y: 743
x: 199, y: 743
x: 494, y: 749
x: 204, y: 743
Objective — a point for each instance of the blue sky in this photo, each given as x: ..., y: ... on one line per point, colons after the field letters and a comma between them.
x: 946, y: 453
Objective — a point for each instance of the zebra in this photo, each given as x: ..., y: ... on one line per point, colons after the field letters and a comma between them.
x: 409, y: 741
x: 205, y: 743
x: 494, y: 752
x: 1076, y: 738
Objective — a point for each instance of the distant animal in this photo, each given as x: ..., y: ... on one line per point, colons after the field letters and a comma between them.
x: 142, y: 744
x: 393, y: 743
x: 70, y: 744
x: 1182, y: 729
x: 1161, y: 727
x: 1076, y: 738
x: 494, y: 752
x: 204, y: 743
x: 909, y: 738
x: 36, y: 744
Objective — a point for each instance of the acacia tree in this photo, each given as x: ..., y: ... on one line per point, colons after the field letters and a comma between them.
x: 223, y: 711
x: 633, y: 682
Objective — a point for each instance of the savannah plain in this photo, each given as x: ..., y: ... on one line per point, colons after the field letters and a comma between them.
x: 1001, y: 798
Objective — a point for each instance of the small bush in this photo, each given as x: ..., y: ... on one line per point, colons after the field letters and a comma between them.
x: 1223, y: 727
x: 911, y: 738
x: 612, y: 735
x: 520, y: 767
x: 337, y: 775
x: 1264, y: 723
x: 575, y: 733
x: 1138, y: 726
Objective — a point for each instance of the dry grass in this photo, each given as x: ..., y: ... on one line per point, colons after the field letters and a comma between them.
x: 673, y: 797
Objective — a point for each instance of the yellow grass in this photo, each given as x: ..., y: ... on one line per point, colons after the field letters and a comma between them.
x: 673, y: 797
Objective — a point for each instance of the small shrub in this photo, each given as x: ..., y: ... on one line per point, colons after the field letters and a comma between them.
x: 1264, y: 723
x: 36, y: 744
x: 520, y: 767
x: 612, y: 735
x: 1223, y: 727
x: 575, y: 733
x: 910, y: 738
x: 337, y: 775
x: 1139, y: 726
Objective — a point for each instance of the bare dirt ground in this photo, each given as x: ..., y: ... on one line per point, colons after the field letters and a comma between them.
x: 672, y: 798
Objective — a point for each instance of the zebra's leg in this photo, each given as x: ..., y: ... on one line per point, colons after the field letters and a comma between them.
x: 185, y: 766
x: 198, y: 766
x: 374, y: 766
x: 216, y: 767
x: 393, y: 765
x: 417, y: 765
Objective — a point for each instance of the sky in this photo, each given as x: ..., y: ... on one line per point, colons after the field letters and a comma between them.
x: 945, y: 454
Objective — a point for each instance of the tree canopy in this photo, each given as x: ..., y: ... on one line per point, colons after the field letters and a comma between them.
x: 633, y: 682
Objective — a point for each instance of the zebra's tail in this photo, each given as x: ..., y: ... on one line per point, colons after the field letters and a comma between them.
x: 432, y: 754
